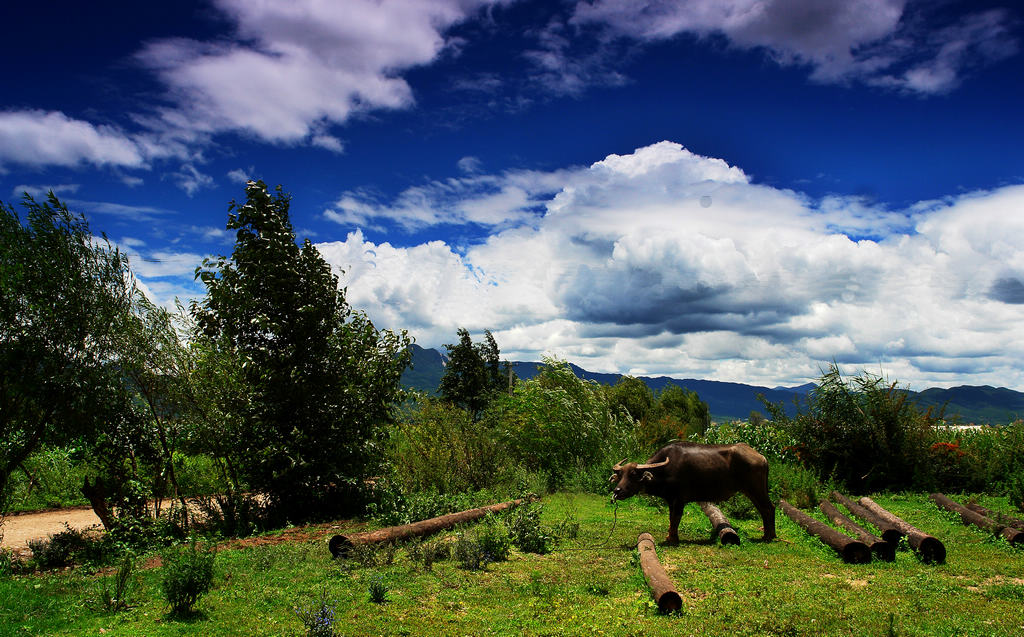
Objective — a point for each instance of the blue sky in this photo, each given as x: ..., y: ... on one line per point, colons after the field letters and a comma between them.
x: 730, y: 189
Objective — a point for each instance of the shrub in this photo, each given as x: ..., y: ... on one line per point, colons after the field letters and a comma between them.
x: 469, y: 552
x: 429, y: 551
x: 862, y: 432
x: 115, y: 591
x: 527, y: 532
x: 187, y: 575
x: 59, y: 550
x: 797, y: 484
x: 494, y: 539
x: 318, y: 618
x: 378, y: 589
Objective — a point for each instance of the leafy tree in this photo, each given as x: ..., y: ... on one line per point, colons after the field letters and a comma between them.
x: 685, y: 408
x: 633, y: 396
x: 64, y: 299
x: 315, y: 380
x: 473, y: 373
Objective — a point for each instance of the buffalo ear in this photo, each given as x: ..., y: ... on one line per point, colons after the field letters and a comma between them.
x: 647, y: 476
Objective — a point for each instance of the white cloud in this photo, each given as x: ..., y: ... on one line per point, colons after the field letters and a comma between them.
x: 51, y: 138
x: 189, y: 179
x: 40, y: 192
x: 882, y: 42
x: 625, y: 269
x: 297, y: 67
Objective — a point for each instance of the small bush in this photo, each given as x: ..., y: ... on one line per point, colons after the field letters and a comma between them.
x: 798, y: 485
x: 469, y: 552
x: 187, y: 575
x: 494, y: 539
x: 430, y: 551
x: 528, y: 534
x: 378, y: 589
x: 115, y: 591
x: 318, y: 618
x: 59, y: 550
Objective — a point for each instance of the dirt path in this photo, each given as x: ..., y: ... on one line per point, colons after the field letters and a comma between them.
x: 20, y: 528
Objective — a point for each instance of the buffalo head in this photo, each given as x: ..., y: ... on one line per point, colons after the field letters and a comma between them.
x: 631, y: 477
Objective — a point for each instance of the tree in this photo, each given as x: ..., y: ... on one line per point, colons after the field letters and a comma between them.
x: 316, y: 381
x: 473, y: 372
x: 64, y: 299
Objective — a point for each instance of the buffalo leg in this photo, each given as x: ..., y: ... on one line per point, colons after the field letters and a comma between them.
x: 763, y: 503
x: 675, y: 513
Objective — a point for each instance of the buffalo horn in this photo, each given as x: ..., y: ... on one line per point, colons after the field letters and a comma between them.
x: 653, y: 466
x: 618, y: 465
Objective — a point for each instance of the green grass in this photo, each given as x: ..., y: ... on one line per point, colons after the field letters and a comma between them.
x: 794, y: 586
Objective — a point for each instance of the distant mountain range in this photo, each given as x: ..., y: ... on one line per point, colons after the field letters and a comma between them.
x: 728, y: 401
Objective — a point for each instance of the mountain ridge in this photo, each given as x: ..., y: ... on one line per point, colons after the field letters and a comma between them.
x: 728, y: 400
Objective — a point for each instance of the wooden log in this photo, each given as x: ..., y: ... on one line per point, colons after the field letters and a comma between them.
x: 340, y: 545
x: 852, y: 551
x: 928, y: 547
x: 1013, y: 523
x: 890, y: 533
x: 721, y: 528
x: 967, y: 516
x: 664, y: 593
x: 882, y: 549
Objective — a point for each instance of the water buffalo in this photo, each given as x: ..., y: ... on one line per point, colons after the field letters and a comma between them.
x: 685, y: 472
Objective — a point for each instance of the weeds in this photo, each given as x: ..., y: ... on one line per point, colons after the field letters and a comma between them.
x: 187, y: 576
x: 378, y: 589
x: 114, y: 598
x: 318, y: 618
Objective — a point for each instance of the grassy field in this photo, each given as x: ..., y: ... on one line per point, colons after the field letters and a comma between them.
x: 590, y: 585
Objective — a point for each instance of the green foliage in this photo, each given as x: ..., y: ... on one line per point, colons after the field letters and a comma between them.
x: 436, y: 446
x: 49, y: 477
x: 116, y: 590
x: 862, y: 432
x: 469, y: 552
x: 494, y: 538
x: 318, y: 618
x: 64, y: 300
x: 473, y: 373
x: 378, y: 589
x: 559, y: 424
x: 678, y: 414
x: 308, y: 384
x: 526, y: 531
x: 426, y: 552
x: 770, y: 439
x: 187, y: 575
x: 60, y: 549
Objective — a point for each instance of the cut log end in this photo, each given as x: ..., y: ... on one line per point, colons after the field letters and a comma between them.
x: 932, y: 550
x: 856, y: 553
x: 670, y: 602
x: 884, y: 551
x: 728, y: 537
x: 339, y: 546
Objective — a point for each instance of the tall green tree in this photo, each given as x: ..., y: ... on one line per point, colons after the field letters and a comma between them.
x: 64, y: 298
x: 317, y: 380
x: 473, y: 372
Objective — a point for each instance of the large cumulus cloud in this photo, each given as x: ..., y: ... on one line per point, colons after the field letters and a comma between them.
x: 663, y: 261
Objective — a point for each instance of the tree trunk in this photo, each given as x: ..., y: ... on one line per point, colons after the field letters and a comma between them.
x: 929, y: 548
x: 852, y: 551
x: 96, y: 494
x: 721, y: 528
x: 890, y: 533
x: 664, y: 593
x: 998, y: 517
x: 882, y: 549
x: 340, y: 545
x: 967, y: 516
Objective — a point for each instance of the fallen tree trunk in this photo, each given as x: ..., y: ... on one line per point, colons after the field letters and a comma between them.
x: 720, y: 525
x: 967, y: 516
x: 997, y: 516
x: 852, y: 551
x: 664, y: 593
x: 882, y: 549
x: 928, y: 547
x: 890, y: 533
x: 340, y: 545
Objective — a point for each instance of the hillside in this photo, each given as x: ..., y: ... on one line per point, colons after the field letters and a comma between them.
x: 728, y: 401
